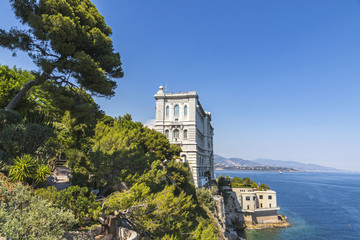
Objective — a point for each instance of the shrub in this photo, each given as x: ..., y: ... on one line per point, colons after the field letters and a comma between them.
x: 25, y: 216
x: 28, y: 170
x: 264, y: 187
x: 77, y: 199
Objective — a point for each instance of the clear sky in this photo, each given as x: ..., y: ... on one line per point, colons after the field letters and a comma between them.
x: 281, y: 78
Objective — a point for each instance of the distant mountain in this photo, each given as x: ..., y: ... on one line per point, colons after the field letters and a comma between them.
x: 293, y: 164
x: 234, y: 161
x: 239, y: 162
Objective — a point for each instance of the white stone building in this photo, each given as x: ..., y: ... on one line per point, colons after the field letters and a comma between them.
x: 259, y: 207
x: 184, y: 122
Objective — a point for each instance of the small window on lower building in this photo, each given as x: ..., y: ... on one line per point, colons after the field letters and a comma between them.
x: 261, y: 205
x: 261, y: 196
x: 270, y: 197
x: 247, y: 198
x: 254, y: 198
x: 248, y: 207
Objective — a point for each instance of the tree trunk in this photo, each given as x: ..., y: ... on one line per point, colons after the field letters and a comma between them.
x: 12, y: 104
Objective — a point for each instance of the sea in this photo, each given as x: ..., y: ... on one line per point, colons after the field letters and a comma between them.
x: 318, y: 205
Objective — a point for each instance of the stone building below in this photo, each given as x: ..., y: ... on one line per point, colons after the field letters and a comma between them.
x: 257, y: 207
x: 251, y: 208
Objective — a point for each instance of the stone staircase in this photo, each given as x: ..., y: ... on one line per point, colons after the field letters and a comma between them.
x: 62, y: 176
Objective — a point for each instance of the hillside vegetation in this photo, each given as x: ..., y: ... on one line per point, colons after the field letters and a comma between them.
x: 135, y: 169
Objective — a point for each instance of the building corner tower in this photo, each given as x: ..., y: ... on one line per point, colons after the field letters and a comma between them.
x: 181, y: 118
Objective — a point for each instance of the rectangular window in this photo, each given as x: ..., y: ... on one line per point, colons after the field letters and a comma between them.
x: 176, y: 134
x: 248, y: 198
x: 254, y: 198
x: 176, y: 111
x: 261, y: 196
x: 270, y: 197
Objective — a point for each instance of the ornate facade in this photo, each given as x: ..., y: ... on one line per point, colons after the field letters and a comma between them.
x: 181, y: 118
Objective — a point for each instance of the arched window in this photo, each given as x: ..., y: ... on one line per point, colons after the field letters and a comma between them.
x: 167, y: 133
x: 176, y: 111
x: 167, y: 111
x: 176, y: 134
x: 183, y: 158
x: 185, y: 111
x: 185, y: 134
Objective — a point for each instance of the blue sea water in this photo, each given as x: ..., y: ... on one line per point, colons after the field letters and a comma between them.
x: 318, y: 205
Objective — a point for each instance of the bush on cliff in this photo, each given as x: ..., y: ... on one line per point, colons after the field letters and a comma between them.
x: 79, y: 200
x: 27, y: 216
x: 161, y: 208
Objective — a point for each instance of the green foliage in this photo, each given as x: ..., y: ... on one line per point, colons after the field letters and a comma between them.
x: 23, y: 169
x: 160, y: 207
x: 11, y: 82
x: 79, y: 200
x: 158, y: 144
x: 8, y: 117
x: 247, y: 182
x: 124, y: 133
x: 123, y: 148
x: 158, y: 213
x: 23, y: 136
x: 75, y: 110
x: 166, y: 213
x: 28, y: 170
x: 24, y: 216
x: 236, y: 182
x: 49, y: 193
x: 205, y: 233
x: 80, y: 166
x: 264, y: 187
x: 178, y: 173
x: 227, y: 177
x: 222, y: 181
x: 203, y: 196
x: 66, y: 39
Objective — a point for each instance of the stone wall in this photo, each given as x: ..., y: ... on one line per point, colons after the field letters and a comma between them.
x: 266, y: 217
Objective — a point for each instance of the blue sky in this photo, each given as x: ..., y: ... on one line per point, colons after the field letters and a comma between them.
x: 281, y: 78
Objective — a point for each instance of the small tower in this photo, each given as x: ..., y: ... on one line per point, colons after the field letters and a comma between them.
x: 181, y: 118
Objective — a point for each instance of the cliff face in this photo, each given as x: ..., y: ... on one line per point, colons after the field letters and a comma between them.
x: 226, y: 218
x: 234, y: 219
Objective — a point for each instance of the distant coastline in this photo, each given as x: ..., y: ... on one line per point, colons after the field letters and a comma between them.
x: 268, y: 165
x: 254, y: 168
